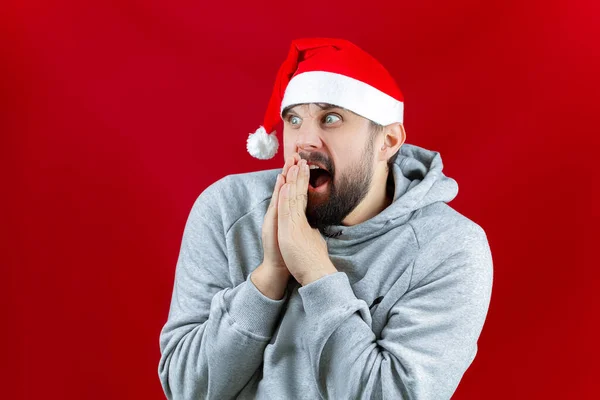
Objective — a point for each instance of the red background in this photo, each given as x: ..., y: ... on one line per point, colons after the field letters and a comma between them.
x: 114, y: 116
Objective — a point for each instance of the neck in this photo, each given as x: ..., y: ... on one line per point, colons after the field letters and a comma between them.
x: 377, y: 199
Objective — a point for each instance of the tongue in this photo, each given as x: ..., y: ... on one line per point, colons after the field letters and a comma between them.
x: 321, y: 179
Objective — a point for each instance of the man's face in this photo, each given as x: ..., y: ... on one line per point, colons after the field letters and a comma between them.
x: 341, y: 142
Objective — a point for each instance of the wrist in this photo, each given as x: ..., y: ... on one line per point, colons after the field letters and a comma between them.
x: 314, y: 275
x: 270, y: 281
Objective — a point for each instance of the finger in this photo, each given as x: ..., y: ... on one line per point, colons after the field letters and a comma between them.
x: 283, y: 210
x: 293, y: 181
x: 291, y: 160
x: 288, y: 163
x: 274, y: 198
x: 302, y: 186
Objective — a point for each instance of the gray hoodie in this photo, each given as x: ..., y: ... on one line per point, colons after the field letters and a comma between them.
x: 400, y: 320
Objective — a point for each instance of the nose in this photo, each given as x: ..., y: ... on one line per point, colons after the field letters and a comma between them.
x: 308, y: 138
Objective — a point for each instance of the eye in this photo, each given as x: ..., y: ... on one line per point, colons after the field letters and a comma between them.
x: 294, y: 120
x: 332, y: 118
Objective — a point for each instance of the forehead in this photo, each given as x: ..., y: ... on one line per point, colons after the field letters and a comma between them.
x: 297, y: 108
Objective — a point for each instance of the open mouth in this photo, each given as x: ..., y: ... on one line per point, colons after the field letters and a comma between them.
x: 319, y: 179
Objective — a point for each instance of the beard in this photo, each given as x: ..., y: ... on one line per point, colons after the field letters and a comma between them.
x: 332, y: 207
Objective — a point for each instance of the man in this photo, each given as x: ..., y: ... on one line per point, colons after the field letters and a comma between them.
x: 344, y: 274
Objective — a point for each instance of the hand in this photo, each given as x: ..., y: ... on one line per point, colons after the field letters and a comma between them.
x: 272, y: 255
x: 271, y: 277
x: 302, y: 247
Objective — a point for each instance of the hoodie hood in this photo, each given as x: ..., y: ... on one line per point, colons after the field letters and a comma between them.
x: 418, y: 182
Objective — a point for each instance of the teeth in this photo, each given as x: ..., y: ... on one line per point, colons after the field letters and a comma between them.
x: 314, y: 167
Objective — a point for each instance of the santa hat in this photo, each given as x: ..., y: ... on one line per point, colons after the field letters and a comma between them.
x: 334, y: 71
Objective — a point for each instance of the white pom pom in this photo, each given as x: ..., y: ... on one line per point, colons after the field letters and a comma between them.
x: 261, y: 145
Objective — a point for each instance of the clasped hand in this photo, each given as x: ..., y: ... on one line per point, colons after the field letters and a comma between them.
x: 302, y: 247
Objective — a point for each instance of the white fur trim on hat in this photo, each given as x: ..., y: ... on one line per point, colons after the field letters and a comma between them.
x: 262, y: 145
x: 343, y: 91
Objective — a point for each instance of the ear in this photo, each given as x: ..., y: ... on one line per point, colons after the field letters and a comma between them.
x: 394, y: 136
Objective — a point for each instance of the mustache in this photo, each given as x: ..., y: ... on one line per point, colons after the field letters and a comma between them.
x: 318, y: 158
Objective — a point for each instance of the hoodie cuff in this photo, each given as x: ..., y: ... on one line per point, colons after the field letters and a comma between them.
x: 330, y: 292
x: 253, y: 311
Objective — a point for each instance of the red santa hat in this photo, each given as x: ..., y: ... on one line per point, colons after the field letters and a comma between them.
x: 334, y: 71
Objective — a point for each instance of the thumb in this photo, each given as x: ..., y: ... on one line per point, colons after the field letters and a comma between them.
x: 275, y: 197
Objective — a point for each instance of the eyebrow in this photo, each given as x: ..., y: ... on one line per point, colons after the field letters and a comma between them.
x: 322, y: 106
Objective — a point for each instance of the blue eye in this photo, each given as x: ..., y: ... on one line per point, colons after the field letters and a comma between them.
x: 331, y: 118
x: 294, y: 120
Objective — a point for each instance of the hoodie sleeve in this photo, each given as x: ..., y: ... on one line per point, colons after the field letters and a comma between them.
x: 430, y: 337
x: 215, y: 334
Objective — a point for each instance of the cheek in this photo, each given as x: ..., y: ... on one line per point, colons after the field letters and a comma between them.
x: 345, y: 156
x: 288, y: 144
